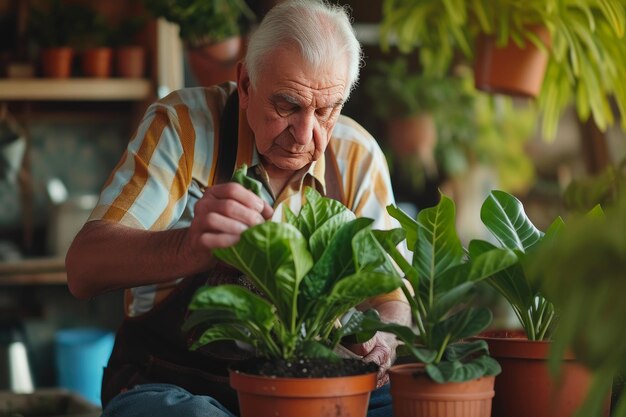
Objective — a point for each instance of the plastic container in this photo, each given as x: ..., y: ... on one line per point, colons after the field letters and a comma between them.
x: 81, y: 355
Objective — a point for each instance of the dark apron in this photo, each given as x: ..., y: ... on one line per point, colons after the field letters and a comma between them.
x: 152, y: 348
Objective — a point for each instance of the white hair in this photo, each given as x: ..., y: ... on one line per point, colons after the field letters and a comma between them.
x: 320, y: 31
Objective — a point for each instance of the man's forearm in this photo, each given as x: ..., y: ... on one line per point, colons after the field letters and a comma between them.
x: 107, y: 256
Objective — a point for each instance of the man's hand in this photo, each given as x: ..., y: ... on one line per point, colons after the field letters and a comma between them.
x: 381, y: 349
x: 220, y: 216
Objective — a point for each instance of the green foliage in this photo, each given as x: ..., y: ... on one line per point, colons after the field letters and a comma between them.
x: 204, y: 21
x: 55, y: 23
x: 398, y: 92
x: 586, y: 60
x: 605, y: 189
x: 504, y: 216
x: 311, y: 271
x: 443, y: 282
x: 582, y: 271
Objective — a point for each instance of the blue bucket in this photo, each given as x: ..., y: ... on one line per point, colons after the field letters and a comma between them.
x: 81, y: 355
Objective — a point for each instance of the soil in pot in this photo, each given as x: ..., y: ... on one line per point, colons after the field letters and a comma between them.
x: 304, y: 388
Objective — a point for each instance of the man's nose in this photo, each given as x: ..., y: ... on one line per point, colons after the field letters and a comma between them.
x: 302, y: 127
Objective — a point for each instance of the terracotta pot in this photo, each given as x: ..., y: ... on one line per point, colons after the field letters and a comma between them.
x: 97, y: 62
x: 414, y: 394
x: 268, y: 396
x: 525, y: 386
x: 130, y: 61
x: 416, y: 135
x: 217, y: 62
x: 57, y: 62
x: 510, y: 69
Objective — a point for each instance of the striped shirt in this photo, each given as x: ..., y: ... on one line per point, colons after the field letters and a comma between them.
x: 172, y: 158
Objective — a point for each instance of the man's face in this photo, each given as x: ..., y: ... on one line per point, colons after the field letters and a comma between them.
x: 293, y: 109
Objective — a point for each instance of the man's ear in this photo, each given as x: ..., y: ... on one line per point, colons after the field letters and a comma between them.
x: 243, y: 85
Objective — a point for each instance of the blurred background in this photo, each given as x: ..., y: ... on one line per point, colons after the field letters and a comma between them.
x: 446, y: 122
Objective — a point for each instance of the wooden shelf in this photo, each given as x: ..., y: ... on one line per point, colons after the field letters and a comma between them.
x: 33, y: 272
x: 85, y: 89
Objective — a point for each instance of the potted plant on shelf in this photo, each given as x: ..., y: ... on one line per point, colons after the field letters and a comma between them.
x: 585, y: 56
x: 51, y: 25
x: 211, y: 31
x: 129, y: 53
x: 307, y: 274
x: 523, y: 354
x: 95, y: 38
x: 451, y: 373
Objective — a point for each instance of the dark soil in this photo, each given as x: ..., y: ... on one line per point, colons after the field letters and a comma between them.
x: 306, y: 367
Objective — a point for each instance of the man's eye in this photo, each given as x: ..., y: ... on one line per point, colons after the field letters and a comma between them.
x: 285, y: 109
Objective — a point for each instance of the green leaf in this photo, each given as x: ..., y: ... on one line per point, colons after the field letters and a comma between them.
x: 275, y: 257
x: 371, y: 255
x: 314, y: 349
x: 457, y: 371
x: 365, y: 325
x: 504, y: 216
x: 223, y: 332
x: 237, y: 301
x: 448, y: 300
x: 459, y: 351
x: 466, y: 323
x: 438, y: 247
x: 316, y: 211
x: 407, y: 223
x: 336, y: 262
x: 320, y: 239
x: 354, y: 289
x: 241, y: 177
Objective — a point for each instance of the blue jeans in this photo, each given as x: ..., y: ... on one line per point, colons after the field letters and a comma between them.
x: 165, y: 400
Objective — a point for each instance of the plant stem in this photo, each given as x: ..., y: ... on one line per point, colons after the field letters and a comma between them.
x: 442, y: 349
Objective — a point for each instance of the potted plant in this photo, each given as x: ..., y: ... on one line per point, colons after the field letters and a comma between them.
x: 585, y: 55
x: 52, y: 25
x: 523, y: 354
x: 307, y: 274
x: 211, y: 31
x: 582, y: 270
x: 452, y: 372
x: 95, y: 43
x: 129, y: 54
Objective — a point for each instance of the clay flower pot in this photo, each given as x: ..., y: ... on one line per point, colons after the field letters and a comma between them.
x: 130, y: 61
x: 414, y: 394
x: 510, y: 69
x: 57, y: 62
x: 271, y: 396
x: 97, y: 62
x: 215, y: 63
x: 525, y: 387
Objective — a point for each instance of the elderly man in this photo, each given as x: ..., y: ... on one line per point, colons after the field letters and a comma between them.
x: 168, y: 203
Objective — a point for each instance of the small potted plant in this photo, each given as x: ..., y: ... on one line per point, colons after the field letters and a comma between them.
x: 51, y: 25
x: 523, y: 354
x: 211, y: 31
x: 307, y: 273
x: 451, y: 372
x: 129, y: 53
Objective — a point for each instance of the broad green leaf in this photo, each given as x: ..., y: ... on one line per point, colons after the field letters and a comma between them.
x: 239, y: 301
x: 275, y: 257
x: 354, y: 289
x: 407, y: 223
x: 241, y: 176
x: 320, y: 239
x: 422, y: 354
x: 461, y: 350
x: 314, y: 349
x: 223, y: 332
x: 336, y: 262
x: 447, y: 301
x: 466, y: 323
x: 438, y: 247
x: 504, y: 216
x: 369, y: 323
x: 389, y: 239
x: 370, y: 254
x: 457, y: 371
x: 316, y: 211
